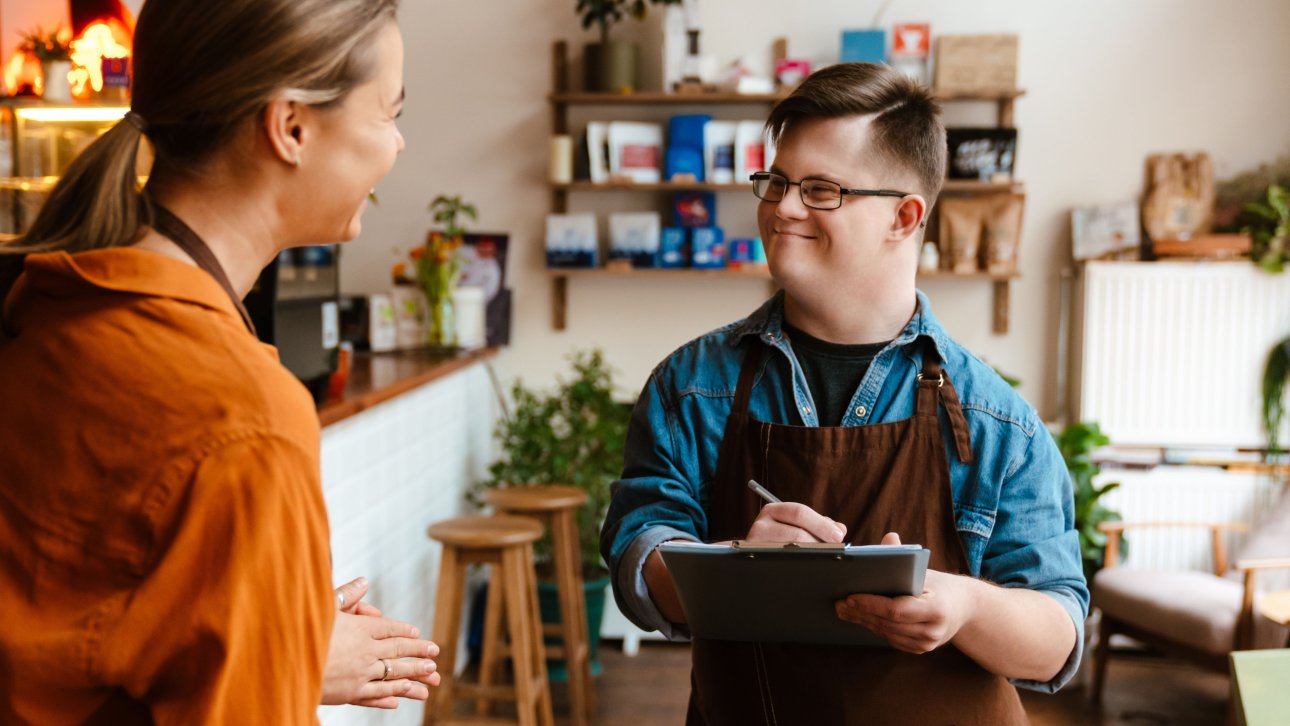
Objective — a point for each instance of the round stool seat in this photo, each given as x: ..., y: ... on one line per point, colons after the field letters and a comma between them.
x: 541, y: 498
x: 481, y: 532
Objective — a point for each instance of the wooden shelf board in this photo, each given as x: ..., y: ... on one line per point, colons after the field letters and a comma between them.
x: 992, y: 96
x: 963, y: 186
x: 653, y: 97
x: 586, y: 186
x: 750, y: 273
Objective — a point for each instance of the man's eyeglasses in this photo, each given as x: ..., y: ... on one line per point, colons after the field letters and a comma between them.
x: 816, y: 193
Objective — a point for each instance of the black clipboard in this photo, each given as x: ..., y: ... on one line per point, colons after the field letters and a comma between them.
x: 785, y: 592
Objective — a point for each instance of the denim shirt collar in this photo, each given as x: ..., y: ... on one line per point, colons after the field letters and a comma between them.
x: 767, y: 323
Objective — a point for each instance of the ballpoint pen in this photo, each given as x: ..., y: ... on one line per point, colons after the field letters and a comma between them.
x: 762, y: 492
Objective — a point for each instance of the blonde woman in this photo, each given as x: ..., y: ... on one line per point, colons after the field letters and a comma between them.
x: 163, y: 538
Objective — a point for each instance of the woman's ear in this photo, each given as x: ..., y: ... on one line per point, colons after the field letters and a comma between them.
x: 284, y: 125
x: 911, y: 215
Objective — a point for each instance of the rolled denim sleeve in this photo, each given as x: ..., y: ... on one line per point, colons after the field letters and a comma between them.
x: 657, y: 499
x: 1034, y: 543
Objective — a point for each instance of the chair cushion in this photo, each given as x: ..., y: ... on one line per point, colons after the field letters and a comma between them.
x: 1193, y: 608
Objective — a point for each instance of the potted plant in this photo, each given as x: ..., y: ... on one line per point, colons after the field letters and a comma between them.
x: 572, y: 435
x: 1269, y: 226
x: 611, y: 65
x: 54, y: 51
x: 1077, y: 442
x: 1276, y: 374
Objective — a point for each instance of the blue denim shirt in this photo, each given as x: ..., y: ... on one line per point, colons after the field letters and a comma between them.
x: 1013, y: 504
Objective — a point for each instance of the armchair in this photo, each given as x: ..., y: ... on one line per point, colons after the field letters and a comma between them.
x: 1198, y: 616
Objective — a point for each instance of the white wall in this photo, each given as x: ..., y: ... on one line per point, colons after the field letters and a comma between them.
x: 1108, y: 81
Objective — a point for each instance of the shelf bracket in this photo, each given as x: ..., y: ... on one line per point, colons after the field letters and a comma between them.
x: 1001, y: 293
x: 559, y: 302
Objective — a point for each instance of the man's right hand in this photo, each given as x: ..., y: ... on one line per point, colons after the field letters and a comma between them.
x: 794, y: 522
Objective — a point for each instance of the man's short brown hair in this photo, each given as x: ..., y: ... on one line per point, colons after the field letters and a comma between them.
x: 907, y: 127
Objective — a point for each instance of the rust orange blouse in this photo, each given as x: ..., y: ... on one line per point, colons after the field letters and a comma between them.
x: 163, y: 537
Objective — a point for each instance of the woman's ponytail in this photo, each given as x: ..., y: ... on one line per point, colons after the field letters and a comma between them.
x: 96, y: 203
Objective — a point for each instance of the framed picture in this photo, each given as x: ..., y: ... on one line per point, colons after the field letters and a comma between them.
x: 483, y: 264
x: 1104, y: 231
x: 982, y: 154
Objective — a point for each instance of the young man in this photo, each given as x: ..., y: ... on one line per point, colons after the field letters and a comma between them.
x: 845, y: 397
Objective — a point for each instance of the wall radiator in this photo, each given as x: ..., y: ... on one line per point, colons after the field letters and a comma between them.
x: 1173, y: 352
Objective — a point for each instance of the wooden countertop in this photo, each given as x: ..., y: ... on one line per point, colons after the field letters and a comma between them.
x: 378, y: 377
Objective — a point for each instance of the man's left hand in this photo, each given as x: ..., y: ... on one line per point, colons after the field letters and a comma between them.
x: 914, y: 624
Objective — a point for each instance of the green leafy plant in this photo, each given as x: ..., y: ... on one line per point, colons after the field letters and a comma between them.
x: 47, y: 45
x: 1077, y: 442
x: 1276, y: 375
x: 1269, y: 225
x: 571, y: 436
x: 606, y: 13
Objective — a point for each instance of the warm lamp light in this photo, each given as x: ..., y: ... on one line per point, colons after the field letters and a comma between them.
x: 74, y: 113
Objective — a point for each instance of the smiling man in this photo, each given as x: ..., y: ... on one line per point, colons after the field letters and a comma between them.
x: 846, y: 398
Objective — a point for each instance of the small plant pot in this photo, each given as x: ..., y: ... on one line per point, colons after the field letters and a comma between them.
x: 54, y: 77
x: 611, y: 68
x: 549, y: 605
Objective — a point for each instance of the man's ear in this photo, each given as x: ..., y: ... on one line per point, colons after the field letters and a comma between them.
x: 911, y: 215
x: 284, y: 125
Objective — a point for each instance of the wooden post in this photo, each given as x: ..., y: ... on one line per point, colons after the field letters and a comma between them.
x: 559, y: 301
x: 1001, y: 290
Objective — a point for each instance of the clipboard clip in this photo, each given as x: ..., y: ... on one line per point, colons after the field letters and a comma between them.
x: 747, y: 546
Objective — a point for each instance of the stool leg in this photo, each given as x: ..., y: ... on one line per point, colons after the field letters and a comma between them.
x: 447, y: 623
x: 573, y: 614
x: 489, y: 662
x: 545, y: 714
x: 517, y: 616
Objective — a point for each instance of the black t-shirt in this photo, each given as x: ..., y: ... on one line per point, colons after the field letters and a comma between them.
x: 833, y: 371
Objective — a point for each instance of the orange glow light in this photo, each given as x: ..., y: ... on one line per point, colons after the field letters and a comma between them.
x: 23, y: 69
x: 106, y: 38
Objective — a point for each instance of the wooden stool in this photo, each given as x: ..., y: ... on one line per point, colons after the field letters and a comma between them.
x: 557, y: 507
x: 506, y: 543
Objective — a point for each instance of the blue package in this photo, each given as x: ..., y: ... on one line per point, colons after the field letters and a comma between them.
x: 708, y: 249
x: 694, y: 209
x: 686, y: 163
x: 673, y: 248
x: 864, y: 46
x: 685, y: 131
x: 742, y: 251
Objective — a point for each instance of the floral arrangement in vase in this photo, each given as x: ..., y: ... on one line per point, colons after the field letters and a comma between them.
x: 436, y: 268
x: 54, y: 51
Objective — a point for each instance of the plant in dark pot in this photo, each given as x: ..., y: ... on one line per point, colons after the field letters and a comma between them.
x: 611, y: 64
x: 1077, y: 442
x: 572, y: 435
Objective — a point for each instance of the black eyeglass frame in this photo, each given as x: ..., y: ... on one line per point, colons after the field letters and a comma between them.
x: 843, y: 191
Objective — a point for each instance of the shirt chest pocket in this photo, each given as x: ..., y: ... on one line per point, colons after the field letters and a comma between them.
x: 974, y: 527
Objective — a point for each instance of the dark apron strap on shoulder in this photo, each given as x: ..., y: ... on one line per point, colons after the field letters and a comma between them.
x: 934, y: 385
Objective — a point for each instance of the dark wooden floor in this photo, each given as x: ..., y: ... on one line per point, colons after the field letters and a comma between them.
x: 653, y: 687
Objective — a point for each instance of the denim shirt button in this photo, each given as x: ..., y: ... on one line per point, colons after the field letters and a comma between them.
x: 861, y: 411
x: 806, y: 409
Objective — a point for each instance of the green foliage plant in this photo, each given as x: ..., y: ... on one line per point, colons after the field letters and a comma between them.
x: 1276, y: 374
x: 605, y: 13
x: 1269, y: 226
x: 1077, y: 442
x: 47, y: 46
x: 570, y: 436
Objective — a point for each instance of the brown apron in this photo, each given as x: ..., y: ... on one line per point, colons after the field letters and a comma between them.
x: 173, y: 228
x: 888, y: 477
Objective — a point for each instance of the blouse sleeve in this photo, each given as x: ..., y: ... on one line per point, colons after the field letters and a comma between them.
x: 232, y: 622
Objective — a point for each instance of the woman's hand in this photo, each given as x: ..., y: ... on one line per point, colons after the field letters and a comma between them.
x: 372, y: 660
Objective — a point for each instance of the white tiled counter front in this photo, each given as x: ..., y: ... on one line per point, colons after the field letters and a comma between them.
x: 388, y: 472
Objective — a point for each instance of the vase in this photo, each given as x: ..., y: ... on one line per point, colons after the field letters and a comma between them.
x: 441, y: 322
x: 57, y: 87
x: 611, y: 68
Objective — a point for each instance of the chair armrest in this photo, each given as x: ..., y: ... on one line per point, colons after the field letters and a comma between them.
x: 1263, y: 563
x: 1117, y: 527
x: 1216, y: 529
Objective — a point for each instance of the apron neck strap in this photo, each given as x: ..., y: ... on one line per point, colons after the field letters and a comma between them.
x: 747, y: 372
x: 933, y: 387
x: 174, y: 229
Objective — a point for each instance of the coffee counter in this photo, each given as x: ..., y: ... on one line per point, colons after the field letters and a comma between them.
x: 378, y: 377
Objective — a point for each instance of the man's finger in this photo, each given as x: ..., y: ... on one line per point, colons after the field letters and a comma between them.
x: 348, y: 595
x: 891, y: 538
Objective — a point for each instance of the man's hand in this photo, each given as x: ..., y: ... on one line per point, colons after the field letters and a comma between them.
x: 793, y: 522
x: 364, y: 644
x: 914, y: 624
